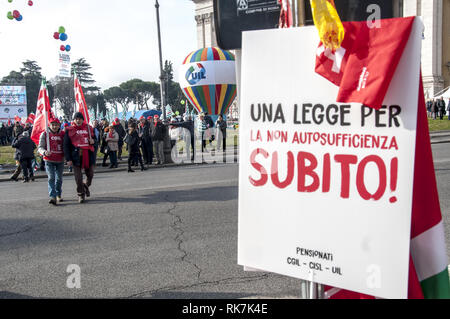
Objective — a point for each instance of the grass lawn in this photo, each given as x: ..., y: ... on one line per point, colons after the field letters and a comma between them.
x: 439, y: 125
x: 7, y: 152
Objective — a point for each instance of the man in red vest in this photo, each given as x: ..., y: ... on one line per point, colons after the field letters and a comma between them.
x: 53, y: 154
x: 79, y: 150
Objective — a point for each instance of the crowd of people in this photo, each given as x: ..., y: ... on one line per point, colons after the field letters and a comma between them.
x: 77, y: 144
x: 437, y: 108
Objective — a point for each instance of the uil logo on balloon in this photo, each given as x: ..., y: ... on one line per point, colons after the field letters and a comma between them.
x: 195, y: 74
x: 208, y: 80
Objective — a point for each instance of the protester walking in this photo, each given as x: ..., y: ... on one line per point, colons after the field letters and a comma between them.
x: 112, y: 138
x: 52, y: 149
x: 26, y: 149
x: 79, y: 151
x: 132, y: 139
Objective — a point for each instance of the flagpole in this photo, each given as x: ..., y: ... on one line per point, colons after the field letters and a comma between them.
x: 85, y: 110
x: 45, y: 116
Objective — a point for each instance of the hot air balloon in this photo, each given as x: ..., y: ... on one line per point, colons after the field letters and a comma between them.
x: 208, y: 79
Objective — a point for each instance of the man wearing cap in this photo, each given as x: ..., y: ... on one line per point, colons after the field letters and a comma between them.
x: 79, y: 150
x: 120, y: 130
x: 53, y: 154
x: 158, y: 132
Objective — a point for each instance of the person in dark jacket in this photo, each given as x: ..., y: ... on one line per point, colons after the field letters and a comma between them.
x: 441, y: 107
x: 103, y: 144
x: 79, y: 150
x: 17, y: 130
x: 132, y: 139
x: 144, y: 135
x: 221, y: 134
x: 119, y: 129
x: 210, y: 123
x: 3, y: 135
x: 9, y: 133
x: 158, y: 131
x: 26, y: 147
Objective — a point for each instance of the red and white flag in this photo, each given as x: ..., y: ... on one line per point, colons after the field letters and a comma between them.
x: 31, y: 118
x: 366, y: 62
x: 81, y: 105
x: 286, y: 20
x: 43, y: 113
x: 363, y: 69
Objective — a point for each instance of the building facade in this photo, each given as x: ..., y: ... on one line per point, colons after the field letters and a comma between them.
x: 436, y: 40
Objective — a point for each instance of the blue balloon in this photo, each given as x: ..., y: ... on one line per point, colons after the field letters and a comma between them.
x: 19, y: 18
x: 63, y: 37
x: 68, y: 47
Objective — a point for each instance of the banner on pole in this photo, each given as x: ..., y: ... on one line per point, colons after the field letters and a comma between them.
x: 325, y: 188
x: 64, y: 65
x: 13, y: 102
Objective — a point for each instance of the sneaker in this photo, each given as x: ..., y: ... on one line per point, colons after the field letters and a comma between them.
x: 143, y: 168
x: 59, y: 199
x: 52, y: 201
x: 130, y: 170
x: 81, y: 199
x: 25, y: 180
x: 86, y: 190
x: 32, y: 178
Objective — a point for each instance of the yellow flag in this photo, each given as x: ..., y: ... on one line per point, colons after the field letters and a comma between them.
x: 327, y: 21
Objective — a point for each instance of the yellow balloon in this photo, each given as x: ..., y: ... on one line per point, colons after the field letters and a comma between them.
x: 328, y: 23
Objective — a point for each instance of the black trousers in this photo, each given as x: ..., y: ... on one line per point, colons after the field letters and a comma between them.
x: 134, y: 158
x: 26, y: 167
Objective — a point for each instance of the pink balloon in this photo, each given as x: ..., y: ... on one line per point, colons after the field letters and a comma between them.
x: 56, y: 35
x: 30, y: 3
x: 16, y: 14
x: 62, y: 48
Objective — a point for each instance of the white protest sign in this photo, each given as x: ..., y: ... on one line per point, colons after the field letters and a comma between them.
x: 64, y: 65
x: 325, y: 188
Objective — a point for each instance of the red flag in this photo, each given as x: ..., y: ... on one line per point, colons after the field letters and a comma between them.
x: 31, y: 118
x: 17, y: 118
x: 43, y: 113
x: 80, y: 101
x: 365, y: 64
x: 286, y: 20
x: 9, y: 121
x: 426, y: 216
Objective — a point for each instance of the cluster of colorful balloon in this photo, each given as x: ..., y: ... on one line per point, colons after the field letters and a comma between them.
x: 62, y: 35
x: 16, y: 14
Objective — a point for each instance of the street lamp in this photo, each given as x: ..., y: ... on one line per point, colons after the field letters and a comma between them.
x: 162, y: 76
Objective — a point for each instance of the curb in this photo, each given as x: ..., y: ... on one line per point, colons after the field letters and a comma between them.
x: 120, y: 169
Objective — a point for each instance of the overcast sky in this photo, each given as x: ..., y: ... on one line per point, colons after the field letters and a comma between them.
x: 117, y: 37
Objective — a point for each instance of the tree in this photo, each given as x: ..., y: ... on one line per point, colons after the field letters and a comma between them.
x: 82, y: 68
x: 63, y: 92
x: 174, y: 94
x: 116, y: 95
x: 140, y: 92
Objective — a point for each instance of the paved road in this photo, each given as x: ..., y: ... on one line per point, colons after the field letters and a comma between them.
x: 165, y: 233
